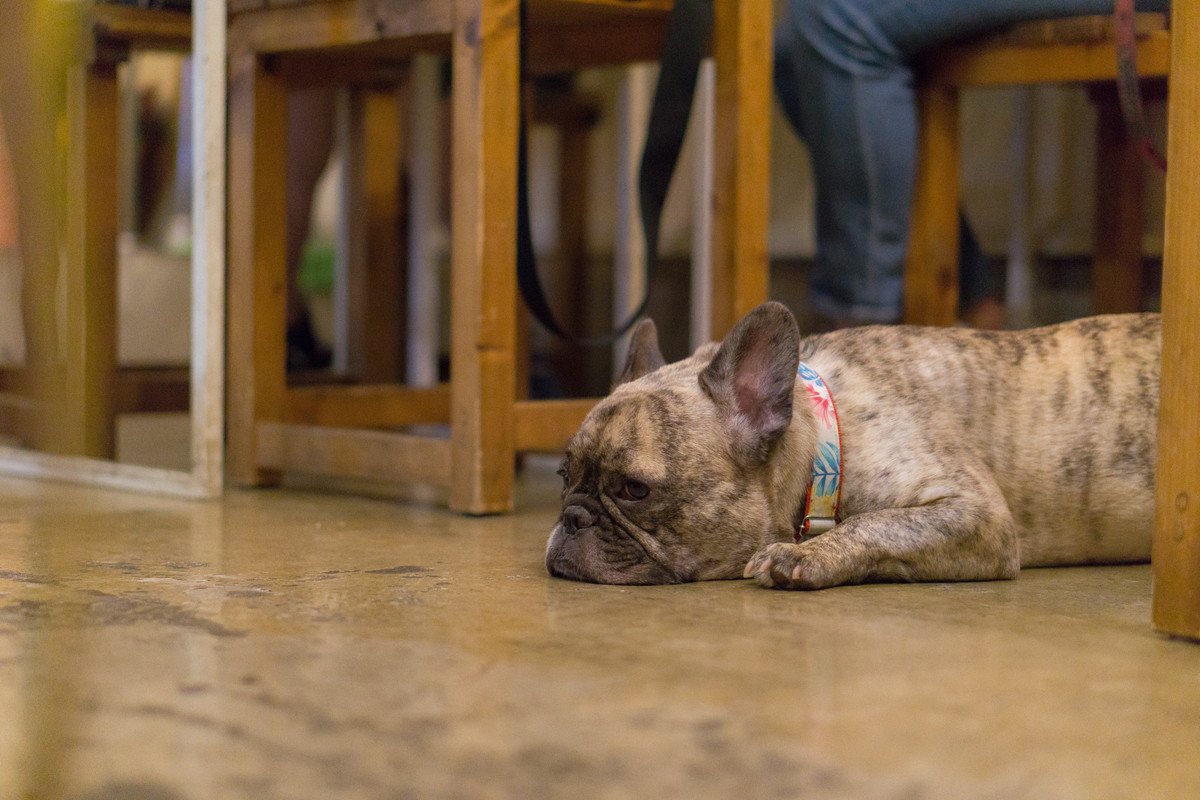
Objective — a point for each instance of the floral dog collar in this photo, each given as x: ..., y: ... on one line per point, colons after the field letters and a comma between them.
x: 825, y: 486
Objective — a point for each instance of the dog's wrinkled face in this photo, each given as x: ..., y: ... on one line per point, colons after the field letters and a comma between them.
x: 667, y: 480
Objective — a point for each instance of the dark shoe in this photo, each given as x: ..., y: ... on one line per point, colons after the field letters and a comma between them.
x: 304, y: 350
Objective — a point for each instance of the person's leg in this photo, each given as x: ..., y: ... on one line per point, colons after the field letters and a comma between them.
x: 979, y: 293
x: 310, y: 115
x: 844, y: 78
x: 838, y: 113
x: 179, y: 225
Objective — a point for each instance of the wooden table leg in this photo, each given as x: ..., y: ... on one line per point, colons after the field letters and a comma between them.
x: 1177, y: 520
x: 742, y: 50
x: 87, y: 413
x: 931, y: 268
x: 483, y: 257
x: 257, y: 273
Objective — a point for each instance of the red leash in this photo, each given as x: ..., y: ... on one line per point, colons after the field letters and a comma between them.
x: 1128, y: 89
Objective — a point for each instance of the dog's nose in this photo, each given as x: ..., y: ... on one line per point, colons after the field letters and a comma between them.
x: 576, y: 518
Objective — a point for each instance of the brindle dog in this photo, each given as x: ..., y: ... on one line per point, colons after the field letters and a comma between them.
x: 966, y: 455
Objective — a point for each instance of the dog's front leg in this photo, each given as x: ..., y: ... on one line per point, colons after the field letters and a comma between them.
x: 949, y: 539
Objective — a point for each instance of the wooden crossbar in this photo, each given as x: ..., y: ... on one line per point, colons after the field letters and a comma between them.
x: 354, y: 453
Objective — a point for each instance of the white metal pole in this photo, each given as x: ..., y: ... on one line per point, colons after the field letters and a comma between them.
x: 703, y: 120
x: 424, y: 171
x: 1018, y: 290
x: 348, y: 263
x: 629, y: 273
x: 208, y: 248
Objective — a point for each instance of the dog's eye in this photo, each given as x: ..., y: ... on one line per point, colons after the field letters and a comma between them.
x: 633, y: 490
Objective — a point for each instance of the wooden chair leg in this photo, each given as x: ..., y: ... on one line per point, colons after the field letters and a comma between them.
x: 89, y: 352
x: 1117, y: 280
x: 483, y: 257
x: 375, y: 319
x: 28, y: 90
x: 931, y: 268
x: 426, y: 119
x: 1177, y: 519
x: 383, y: 148
x: 257, y: 274
x: 742, y: 50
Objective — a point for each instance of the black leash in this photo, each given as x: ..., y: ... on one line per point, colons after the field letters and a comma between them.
x: 689, y: 32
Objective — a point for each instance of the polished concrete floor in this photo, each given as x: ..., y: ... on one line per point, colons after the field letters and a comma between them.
x: 290, y: 644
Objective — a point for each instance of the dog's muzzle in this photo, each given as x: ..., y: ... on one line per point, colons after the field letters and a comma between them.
x: 577, y: 518
x: 579, y: 513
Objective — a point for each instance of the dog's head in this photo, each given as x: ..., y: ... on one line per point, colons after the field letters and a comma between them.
x: 673, y: 476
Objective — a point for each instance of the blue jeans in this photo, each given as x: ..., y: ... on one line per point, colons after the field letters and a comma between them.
x: 844, y: 76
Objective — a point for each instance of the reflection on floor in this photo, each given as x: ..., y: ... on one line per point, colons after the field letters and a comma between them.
x: 284, y: 644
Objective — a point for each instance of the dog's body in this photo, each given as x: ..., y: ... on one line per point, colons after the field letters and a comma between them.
x: 966, y: 454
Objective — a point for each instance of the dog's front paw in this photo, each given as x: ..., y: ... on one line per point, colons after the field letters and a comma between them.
x: 783, y: 565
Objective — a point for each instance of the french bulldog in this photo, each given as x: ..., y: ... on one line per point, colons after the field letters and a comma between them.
x: 966, y: 455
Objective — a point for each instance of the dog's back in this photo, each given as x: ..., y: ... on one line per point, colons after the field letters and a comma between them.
x: 1064, y: 417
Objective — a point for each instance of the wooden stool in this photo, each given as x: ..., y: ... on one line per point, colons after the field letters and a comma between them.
x: 335, y: 431
x: 1080, y: 49
x: 81, y: 390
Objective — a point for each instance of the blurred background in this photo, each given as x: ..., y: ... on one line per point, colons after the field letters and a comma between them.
x: 575, y: 149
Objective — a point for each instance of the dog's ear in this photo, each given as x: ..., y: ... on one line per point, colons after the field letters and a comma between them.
x: 752, y: 376
x: 643, y: 356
